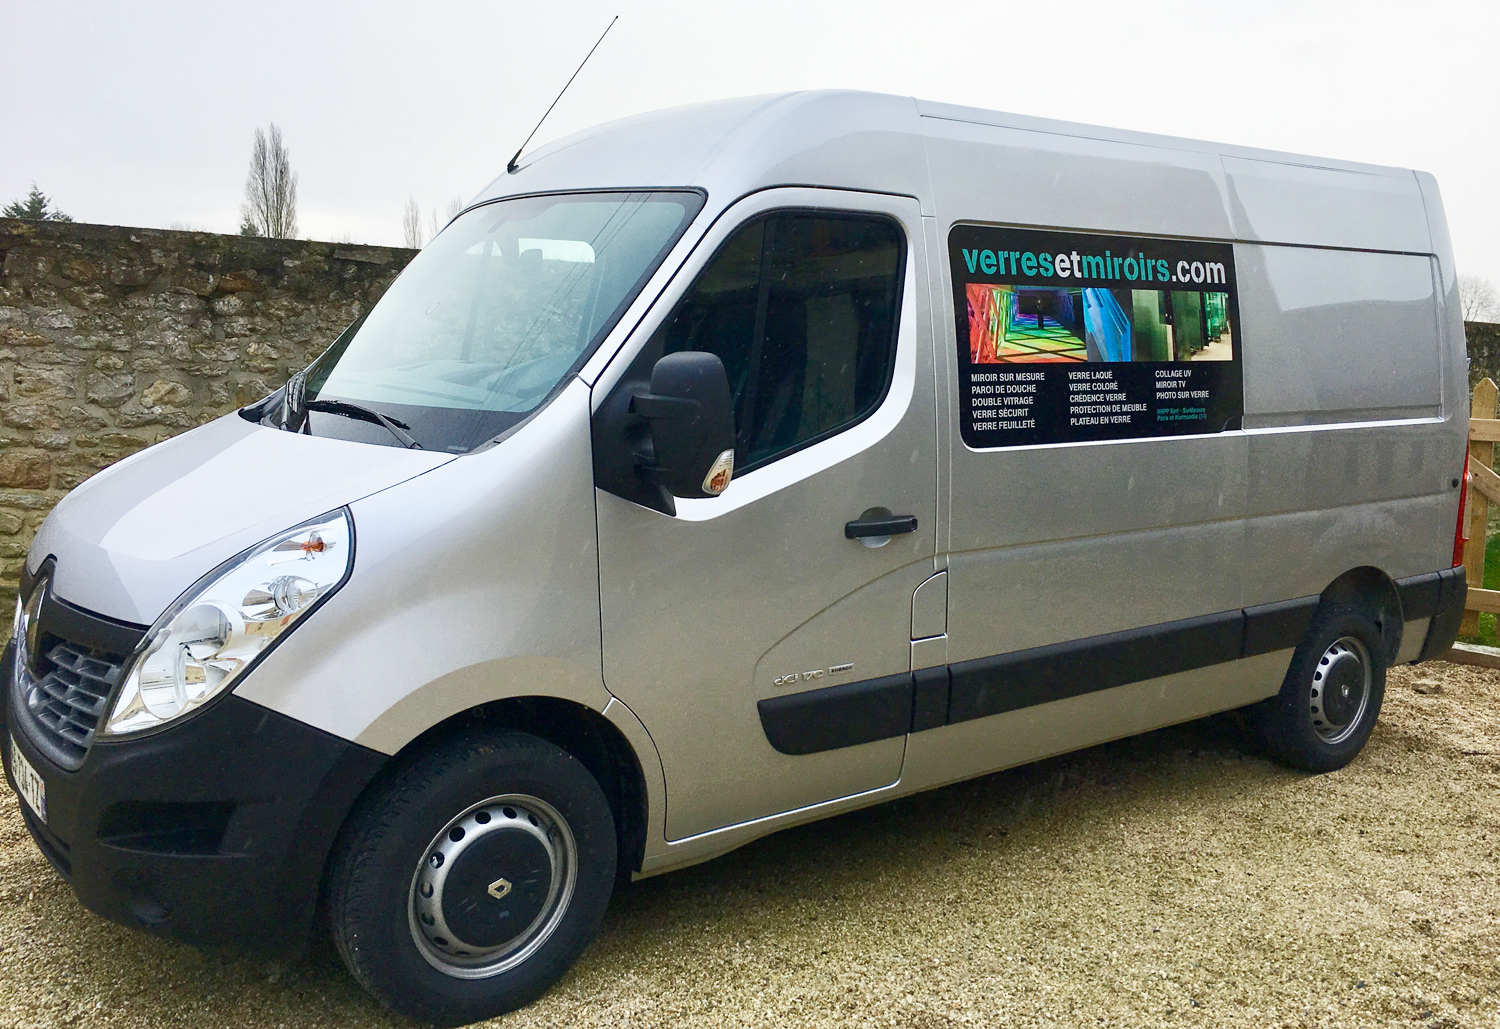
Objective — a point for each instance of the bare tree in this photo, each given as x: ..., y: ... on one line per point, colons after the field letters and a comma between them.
x: 270, y: 207
x: 1478, y: 298
x: 417, y: 232
x: 411, y: 223
x: 438, y: 222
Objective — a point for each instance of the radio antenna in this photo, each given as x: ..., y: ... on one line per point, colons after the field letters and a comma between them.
x: 511, y: 167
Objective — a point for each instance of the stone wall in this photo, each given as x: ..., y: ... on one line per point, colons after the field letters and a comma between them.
x: 112, y: 339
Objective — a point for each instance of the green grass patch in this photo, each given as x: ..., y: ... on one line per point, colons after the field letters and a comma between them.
x: 1488, y: 635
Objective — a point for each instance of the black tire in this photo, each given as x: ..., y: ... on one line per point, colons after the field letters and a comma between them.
x: 1332, y: 693
x: 504, y: 803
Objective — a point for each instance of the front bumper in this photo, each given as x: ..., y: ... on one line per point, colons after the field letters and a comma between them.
x: 212, y: 831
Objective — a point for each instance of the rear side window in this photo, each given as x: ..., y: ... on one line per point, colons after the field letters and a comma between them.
x: 802, y: 309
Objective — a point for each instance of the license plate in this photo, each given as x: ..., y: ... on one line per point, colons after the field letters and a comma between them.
x: 29, y: 782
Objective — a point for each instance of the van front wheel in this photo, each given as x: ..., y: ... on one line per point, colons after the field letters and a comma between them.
x: 468, y: 883
x: 1332, y: 693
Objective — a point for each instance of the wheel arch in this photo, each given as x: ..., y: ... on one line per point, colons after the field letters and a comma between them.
x: 596, y: 741
x: 1370, y: 588
x: 581, y: 731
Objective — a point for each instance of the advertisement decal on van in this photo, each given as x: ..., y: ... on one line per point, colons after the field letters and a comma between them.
x: 1071, y: 337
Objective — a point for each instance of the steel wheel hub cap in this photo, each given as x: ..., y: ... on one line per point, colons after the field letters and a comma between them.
x: 1340, y: 689
x: 492, y: 886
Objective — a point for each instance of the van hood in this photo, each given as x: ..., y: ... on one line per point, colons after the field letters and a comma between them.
x: 129, y: 540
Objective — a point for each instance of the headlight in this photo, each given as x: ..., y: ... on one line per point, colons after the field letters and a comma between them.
x: 217, y: 629
x: 15, y: 628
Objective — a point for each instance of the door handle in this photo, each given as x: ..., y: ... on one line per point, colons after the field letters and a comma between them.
x: 879, y: 522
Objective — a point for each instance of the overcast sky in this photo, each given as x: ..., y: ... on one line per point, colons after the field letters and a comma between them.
x: 143, y: 113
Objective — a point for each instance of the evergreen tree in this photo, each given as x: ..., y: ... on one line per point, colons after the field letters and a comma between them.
x: 35, y: 208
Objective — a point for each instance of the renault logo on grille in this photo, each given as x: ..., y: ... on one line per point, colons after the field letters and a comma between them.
x: 499, y: 888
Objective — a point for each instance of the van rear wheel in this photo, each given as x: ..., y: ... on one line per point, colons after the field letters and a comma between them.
x: 467, y: 883
x: 1332, y: 693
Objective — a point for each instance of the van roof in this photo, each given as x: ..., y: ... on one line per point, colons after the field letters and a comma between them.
x: 966, y: 163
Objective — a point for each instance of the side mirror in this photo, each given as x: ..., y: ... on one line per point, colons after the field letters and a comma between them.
x: 691, y: 422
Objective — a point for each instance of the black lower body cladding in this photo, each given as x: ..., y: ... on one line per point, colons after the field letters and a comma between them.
x: 862, y: 712
x: 212, y: 831
x: 994, y: 685
x: 1440, y: 596
x: 838, y: 716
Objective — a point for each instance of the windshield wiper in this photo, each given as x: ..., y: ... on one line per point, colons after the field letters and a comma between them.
x: 364, y: 414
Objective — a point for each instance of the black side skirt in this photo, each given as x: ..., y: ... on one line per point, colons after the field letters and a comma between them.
x: 876, y: 709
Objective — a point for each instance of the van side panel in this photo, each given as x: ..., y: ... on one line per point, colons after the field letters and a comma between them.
x: 1344, y: 458
x: 1014, y: 176
x: 1342, y: 357
x: 1051, y: 545
x: 1377, y: 209
x: 1055, y: 543
x: 1337, y: 336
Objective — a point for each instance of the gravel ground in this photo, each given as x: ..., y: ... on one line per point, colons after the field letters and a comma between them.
x: 1175, y: 879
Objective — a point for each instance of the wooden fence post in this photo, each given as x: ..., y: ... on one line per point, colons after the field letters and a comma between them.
x: 1481, y: 405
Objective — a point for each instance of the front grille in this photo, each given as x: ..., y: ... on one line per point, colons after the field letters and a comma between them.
x: 58, y: 692
x: 68, y: 700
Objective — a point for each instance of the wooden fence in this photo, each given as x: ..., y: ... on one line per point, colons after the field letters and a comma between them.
x: 1483, y: 487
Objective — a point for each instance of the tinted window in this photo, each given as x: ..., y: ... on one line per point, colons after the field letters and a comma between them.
x: 801, y: 308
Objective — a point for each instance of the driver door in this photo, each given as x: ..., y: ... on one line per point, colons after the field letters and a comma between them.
x: 809, y: 297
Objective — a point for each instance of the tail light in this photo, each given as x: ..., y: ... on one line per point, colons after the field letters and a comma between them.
x: 1461, y: 530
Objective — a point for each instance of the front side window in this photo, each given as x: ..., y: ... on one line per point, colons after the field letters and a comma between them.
x: 495, y: 312
x: 802, y: 309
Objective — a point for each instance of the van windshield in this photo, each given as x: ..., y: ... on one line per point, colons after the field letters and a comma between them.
x: 497, y: 311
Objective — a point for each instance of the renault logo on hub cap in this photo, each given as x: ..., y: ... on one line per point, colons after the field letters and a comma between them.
x: 499, y: 888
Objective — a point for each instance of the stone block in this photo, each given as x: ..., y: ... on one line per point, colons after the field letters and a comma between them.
x: 113, y: 440
x: 20, y: 338
x: 166, y: 393
x: 80, y: 269
x: 110, y: 390
x: 240, y: 282
x: 25, y: 470
x: 53, y: 320
x: 126, y: 272
x: 46, y: 383
x: 30, y: 501
x: 11, y: 523
x: 78, y: 417
x: 21, y: 415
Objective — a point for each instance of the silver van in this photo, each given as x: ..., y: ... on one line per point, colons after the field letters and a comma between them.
x: 731, y: 467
